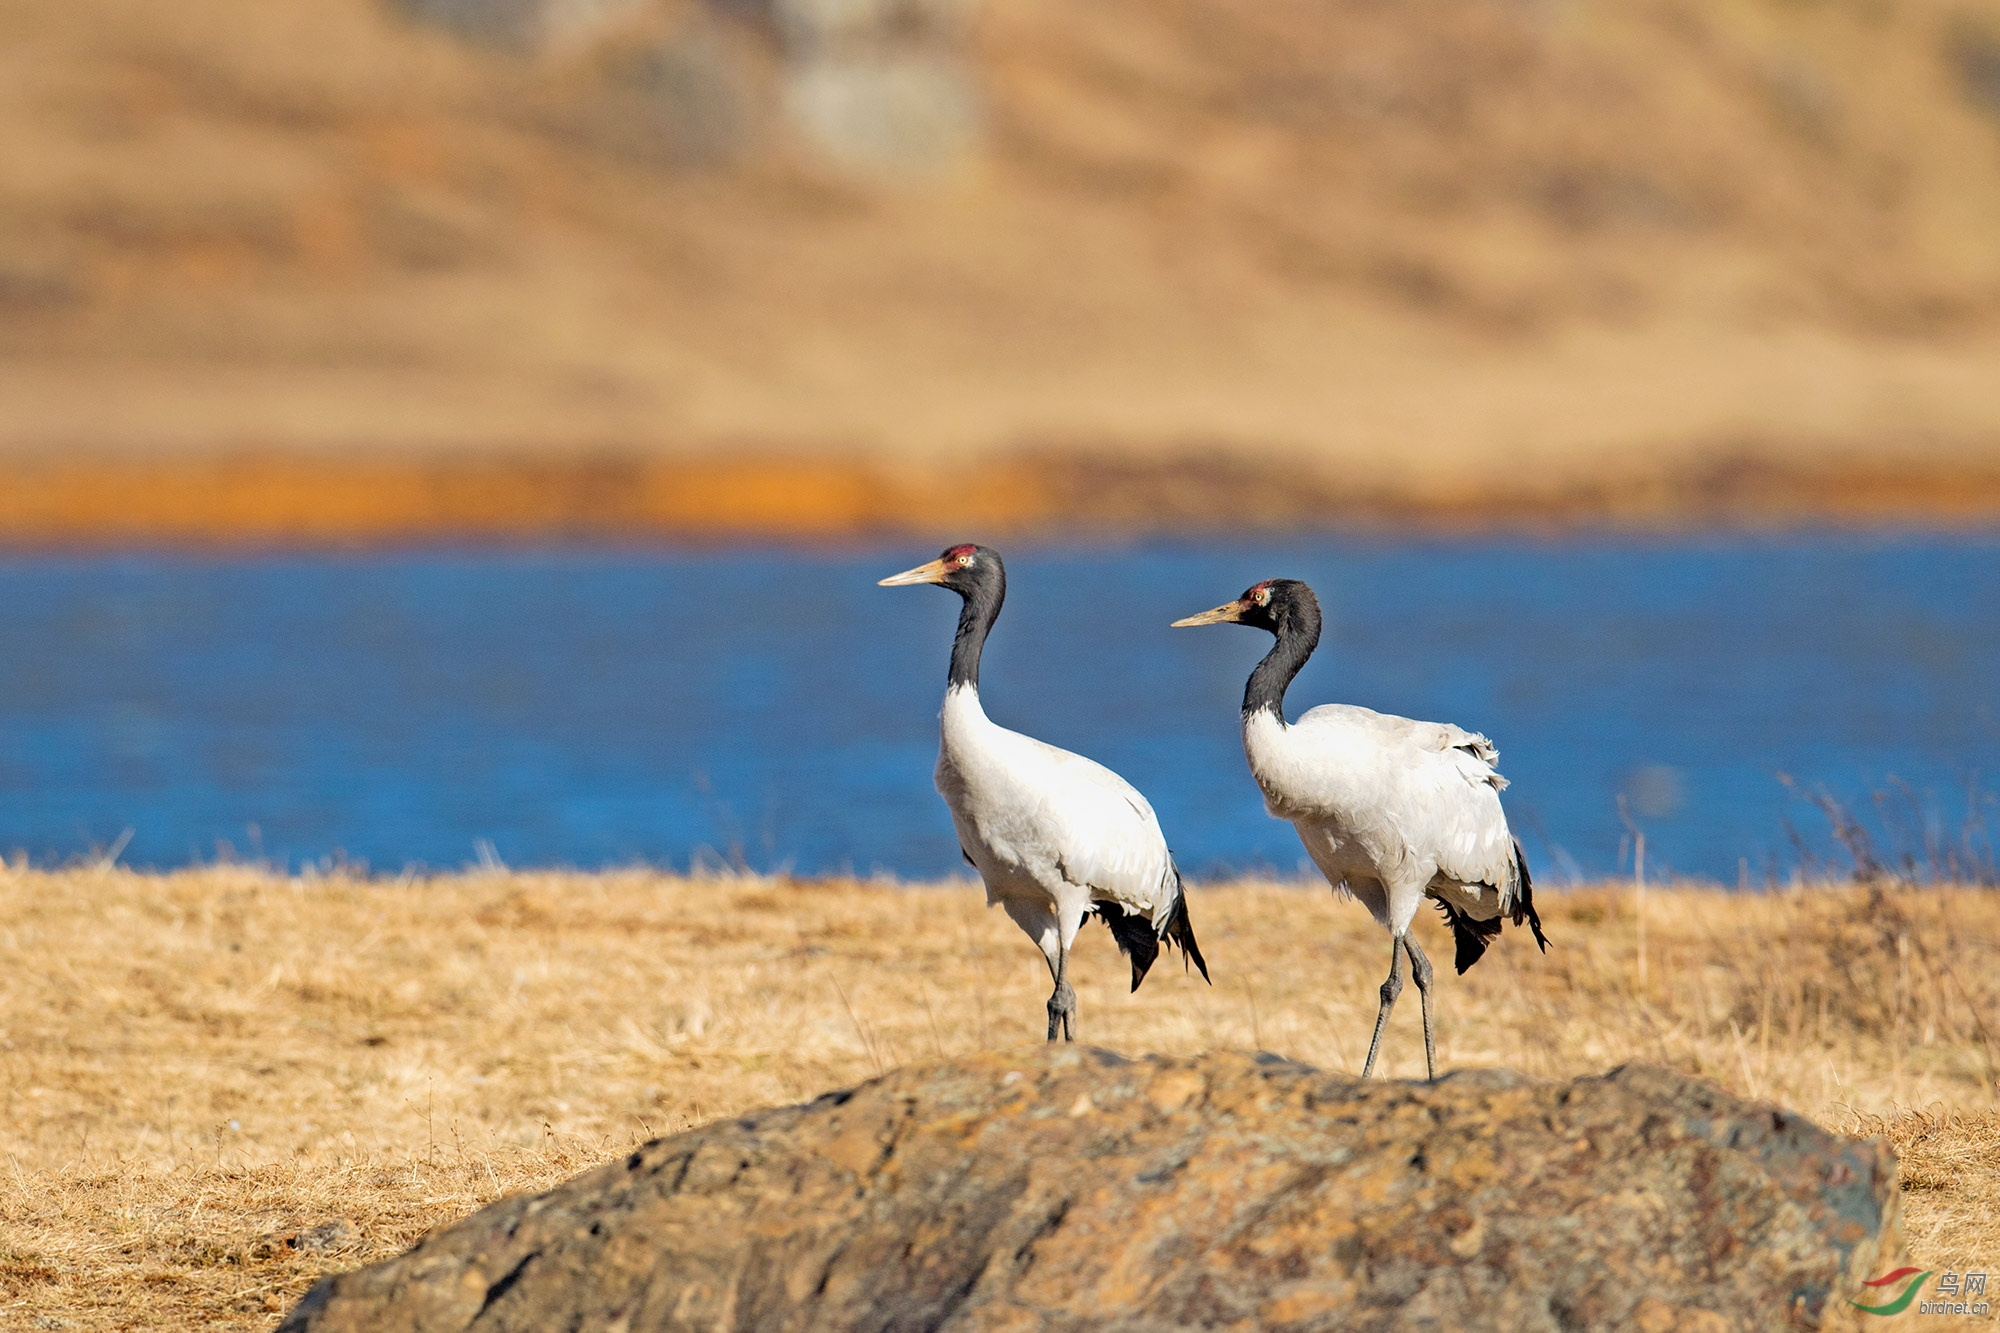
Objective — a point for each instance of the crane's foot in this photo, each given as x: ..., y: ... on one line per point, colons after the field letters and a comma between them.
x: 1062, y: 1012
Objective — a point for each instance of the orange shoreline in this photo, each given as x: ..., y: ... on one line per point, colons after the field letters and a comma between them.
x: 272, y: 499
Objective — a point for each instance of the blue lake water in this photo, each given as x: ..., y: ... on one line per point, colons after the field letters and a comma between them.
x: 773, y: 708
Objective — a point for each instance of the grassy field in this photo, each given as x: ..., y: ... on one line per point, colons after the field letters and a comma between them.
x: 200, y: 1070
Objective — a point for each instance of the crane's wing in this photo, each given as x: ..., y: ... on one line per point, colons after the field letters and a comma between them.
x: 1348, y: 725
x: 1064, y: 815
x: 1427, y: 793
x: 1430, y: 786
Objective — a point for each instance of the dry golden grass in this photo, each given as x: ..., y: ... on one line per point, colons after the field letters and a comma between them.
x: 196, y: 1066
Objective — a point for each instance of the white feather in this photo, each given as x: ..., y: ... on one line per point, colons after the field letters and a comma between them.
x: 1390, y: 808
x: 1047, y: 830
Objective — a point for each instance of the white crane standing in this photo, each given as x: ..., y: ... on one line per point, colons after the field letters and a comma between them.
x: 1055, y: 836
x: 1392, y: 811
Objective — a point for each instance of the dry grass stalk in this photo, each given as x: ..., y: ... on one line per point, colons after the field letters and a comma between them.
x: 197, y: 1067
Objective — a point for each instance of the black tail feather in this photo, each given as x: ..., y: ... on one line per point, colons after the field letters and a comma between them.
x: 1524, y: 898
x: 1180, y: 929
x: 1135, y: 937
x: 1472, y: 935
x: 1138, y: 941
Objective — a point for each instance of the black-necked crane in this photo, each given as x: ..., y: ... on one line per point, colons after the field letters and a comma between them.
x: 1056, y: 837
x: 1391, y: 810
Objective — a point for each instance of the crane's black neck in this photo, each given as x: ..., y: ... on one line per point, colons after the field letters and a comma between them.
x: 984, y: 588
x: 1297, y: 623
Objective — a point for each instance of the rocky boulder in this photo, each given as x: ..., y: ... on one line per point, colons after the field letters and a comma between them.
x: 1073, y: 1189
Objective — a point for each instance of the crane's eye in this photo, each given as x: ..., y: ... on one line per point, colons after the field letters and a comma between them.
x: 965, y: 560
x: 1263, y: 596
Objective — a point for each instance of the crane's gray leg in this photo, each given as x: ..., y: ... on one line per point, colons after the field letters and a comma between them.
x: 1420, y: 968
x: 1062, y: 1004
x: 1390, y: 990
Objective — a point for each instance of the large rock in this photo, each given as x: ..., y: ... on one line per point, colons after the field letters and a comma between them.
x: 1071, y: 1189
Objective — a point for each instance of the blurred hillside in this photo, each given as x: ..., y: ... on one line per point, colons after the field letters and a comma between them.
x: 284, y: 268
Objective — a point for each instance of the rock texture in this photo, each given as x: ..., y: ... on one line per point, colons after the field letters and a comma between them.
x: 1072, y: 1189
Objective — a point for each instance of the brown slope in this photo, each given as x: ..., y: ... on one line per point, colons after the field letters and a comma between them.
x: 1553, y: 257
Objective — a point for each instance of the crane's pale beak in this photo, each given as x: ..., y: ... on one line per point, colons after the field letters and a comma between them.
x: 934, y: 572
x: 1229, y: 613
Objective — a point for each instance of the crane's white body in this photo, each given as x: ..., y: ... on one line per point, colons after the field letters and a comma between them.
x: 1390, y: 809
x: 1049, y: 832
